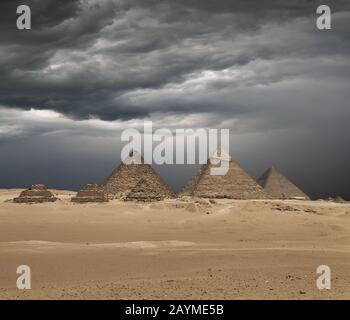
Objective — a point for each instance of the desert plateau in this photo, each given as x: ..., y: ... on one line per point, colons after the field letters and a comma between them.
x: 185, y: 248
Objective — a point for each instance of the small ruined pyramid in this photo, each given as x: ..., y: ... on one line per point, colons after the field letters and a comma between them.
x: 279, y: 187
x: 235, y: 184
x: 37, y: 193
x: 129, y: 173
x: 91, y: 193
x: 146, y: 191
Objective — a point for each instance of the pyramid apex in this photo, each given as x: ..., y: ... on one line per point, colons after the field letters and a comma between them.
x: 272, y: 168
x: 219, y: 155
x: 134, y: 158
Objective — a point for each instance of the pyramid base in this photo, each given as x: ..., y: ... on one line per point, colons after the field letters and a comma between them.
x: 224, y: 196
x: 88, y: 199
x: 144, y: 200
x: 33, y: 200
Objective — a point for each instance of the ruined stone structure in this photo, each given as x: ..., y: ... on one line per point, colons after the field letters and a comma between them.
x: 37, y: 193
x: 235, y: 184
x: 91, y: 193
x: 279, y: 187
x: 146, y: 191
x: 128, y: 175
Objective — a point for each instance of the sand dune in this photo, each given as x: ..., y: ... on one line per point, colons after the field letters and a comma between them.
x: 176, y: 249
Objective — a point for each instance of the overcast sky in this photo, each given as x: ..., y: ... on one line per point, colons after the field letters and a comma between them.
x: 89, y: 69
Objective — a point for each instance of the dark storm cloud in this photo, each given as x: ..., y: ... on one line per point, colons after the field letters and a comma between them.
x: 87, y: 58
x: 260, y: 68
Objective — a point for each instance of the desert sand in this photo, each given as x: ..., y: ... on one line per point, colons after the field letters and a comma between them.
x: 175, y: 249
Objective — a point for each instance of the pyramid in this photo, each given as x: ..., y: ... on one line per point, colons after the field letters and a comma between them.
x: 279, y: 187
x: 37, y: 193
x: 129, y: 173
x: 235, y: 184
x: 146, y: 192
x: 91, y: 193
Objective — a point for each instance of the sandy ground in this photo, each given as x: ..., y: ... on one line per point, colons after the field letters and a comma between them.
x: 175, y: 249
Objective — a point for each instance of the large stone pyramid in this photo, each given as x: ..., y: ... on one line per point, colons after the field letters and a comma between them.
x: 37, y: 193
x: 279, y: 187
x: 129, y: 173
x: 235, y: 184
x: 146, y: 191
x: 91, y: 193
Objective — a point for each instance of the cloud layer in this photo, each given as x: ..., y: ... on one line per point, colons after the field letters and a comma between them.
x: 260, y: 68
x: 128, y: 59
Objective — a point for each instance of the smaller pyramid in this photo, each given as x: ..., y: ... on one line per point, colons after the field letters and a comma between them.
x: 37, y: 193
x: 147, y: 191
x: 337, y: 199
x: 280, y: 187
x: 91, y: 193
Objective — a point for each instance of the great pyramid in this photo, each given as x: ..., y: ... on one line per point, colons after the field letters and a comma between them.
x: 279, y: 187
x: 91, y: 193
x: 146, y: 191
x: 37, y: 193
x: 235, y: 184
x: 129, y: 173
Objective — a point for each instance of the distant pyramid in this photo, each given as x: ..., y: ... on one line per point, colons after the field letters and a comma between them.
x: 279, y: 187
x: 146, y: 191
x: 37, y: 193
x: 91, y: 193
x: 235, y: 184
x: 128, y: 175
